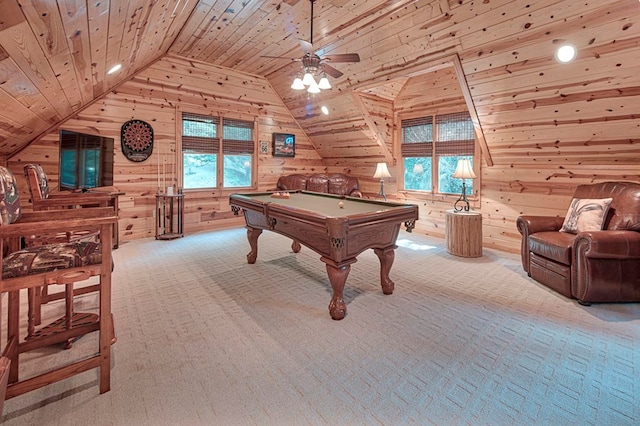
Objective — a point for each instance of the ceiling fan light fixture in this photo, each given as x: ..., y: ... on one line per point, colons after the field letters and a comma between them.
x: 297, y: 84
x: 313, y: 87
x: 324, y: 83
x: 308, y: 79
x: 314, y: 66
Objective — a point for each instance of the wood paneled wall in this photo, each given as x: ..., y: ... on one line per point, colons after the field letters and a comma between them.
x: 536, y: 167
x: 158, y: 95
x: 549, y: 127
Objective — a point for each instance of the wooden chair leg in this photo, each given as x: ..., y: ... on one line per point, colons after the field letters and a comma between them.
x: 13, y: 336
x: 38, y: 296
x: 32, y: 307
x: 5, y: 364
x: 41, y: 296
x: 68, y: 302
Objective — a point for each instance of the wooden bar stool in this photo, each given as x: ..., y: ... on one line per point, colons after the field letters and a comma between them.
x: 60, y: 263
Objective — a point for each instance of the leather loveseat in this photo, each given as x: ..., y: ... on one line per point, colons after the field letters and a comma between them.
x: 337, y: 183
x: 591, y: 266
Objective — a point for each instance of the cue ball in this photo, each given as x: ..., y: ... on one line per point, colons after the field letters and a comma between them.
x: 341, y: 204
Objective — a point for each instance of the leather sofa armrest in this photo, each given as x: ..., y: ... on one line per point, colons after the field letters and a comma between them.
x: 605, y: 266
x: 355, y: 193
x: 528, y: 225
x: 608, y: 245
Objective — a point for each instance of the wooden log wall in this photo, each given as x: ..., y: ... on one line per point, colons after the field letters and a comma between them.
x: 548, y: 126
x: 551, y: 126
x: 437, y: 92
x: 158, y: 95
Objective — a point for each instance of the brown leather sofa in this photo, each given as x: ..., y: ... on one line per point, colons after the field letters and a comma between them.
x: 337, y: 183
x: 591, y: 266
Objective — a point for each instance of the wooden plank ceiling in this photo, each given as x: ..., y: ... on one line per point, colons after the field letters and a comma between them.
x: 54, y: 58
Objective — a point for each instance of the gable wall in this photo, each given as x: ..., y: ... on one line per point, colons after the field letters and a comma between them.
x: 158, y: 95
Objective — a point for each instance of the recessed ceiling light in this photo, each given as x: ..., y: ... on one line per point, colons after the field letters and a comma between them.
x: 566, y: 53
x: 116, y: 68
x: 324, y: 110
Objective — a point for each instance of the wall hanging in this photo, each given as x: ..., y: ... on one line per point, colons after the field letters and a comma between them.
x: 136, y: 137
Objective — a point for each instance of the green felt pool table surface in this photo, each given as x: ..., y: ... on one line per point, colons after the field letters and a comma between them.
x: 326, y: 205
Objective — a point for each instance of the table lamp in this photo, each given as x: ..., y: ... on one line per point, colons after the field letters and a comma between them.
x: 381, y: 172
x: 464, y: 170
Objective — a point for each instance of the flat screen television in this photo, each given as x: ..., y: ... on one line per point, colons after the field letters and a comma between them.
x: 86, y: 161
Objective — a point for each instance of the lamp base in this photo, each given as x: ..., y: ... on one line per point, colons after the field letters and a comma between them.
x: 462, y: 200
x: 381, y: 193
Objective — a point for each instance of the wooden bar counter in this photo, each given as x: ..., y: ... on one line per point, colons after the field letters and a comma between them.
x: 463, y: 233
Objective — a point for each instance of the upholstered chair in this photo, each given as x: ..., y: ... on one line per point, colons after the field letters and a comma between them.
x: 64, y: 264
x: 592, y: 254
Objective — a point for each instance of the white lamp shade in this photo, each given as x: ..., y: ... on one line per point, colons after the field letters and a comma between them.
x: 324, y: 83
x: 308, y: 79
x: 464, y: 170
x: 381, y: 171
x: 297, y: 84
x: 313, y: 87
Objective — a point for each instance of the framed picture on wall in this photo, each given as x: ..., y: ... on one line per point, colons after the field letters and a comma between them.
x: 284, y: 145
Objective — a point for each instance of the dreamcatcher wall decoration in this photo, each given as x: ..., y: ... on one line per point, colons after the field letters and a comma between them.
x: 136, y: 137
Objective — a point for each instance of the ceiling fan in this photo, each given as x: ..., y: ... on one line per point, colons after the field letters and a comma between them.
x: 316, y: 66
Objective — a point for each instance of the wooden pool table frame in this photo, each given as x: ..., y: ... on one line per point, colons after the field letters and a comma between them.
x: 338, y: 239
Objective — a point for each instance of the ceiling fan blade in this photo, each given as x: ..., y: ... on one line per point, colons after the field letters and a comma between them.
x: 332, y: 71
x: 306, y: 46
x: 280, y: 57
x: 342, y: 57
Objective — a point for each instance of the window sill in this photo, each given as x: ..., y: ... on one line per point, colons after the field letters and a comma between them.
x: 219, y: 192
x: 430, y: 196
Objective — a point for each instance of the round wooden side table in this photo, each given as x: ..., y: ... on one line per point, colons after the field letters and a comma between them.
x: 463, y: 233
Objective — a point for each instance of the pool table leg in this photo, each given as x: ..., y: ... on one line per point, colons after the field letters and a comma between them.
x: 252, y: 236
x: 338, y: 276
x: 387, y: 256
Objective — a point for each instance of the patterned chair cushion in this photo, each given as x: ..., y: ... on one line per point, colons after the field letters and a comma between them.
x: 43, y: 181
x: 10, y: 210
x: 52, y: 257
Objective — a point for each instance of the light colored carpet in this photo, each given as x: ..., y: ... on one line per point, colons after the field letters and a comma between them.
x: 206, y: 339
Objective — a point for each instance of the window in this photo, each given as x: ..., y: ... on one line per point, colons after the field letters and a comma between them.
x: 237, y: 148
x: 417, y: 152
x: 431, y: 147
x: 210, y: 144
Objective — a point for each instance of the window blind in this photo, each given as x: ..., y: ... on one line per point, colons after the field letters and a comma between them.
x: 456, y: 136
x: 417, y: 137
x: 237, y: 136
x: 200, y: 134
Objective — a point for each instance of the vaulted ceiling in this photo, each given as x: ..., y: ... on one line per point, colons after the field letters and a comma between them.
x: 54, y: 58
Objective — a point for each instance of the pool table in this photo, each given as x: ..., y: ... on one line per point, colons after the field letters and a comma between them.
x: 338, y: 228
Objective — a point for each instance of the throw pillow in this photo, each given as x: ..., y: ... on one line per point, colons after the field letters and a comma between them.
x: 586, y: 215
